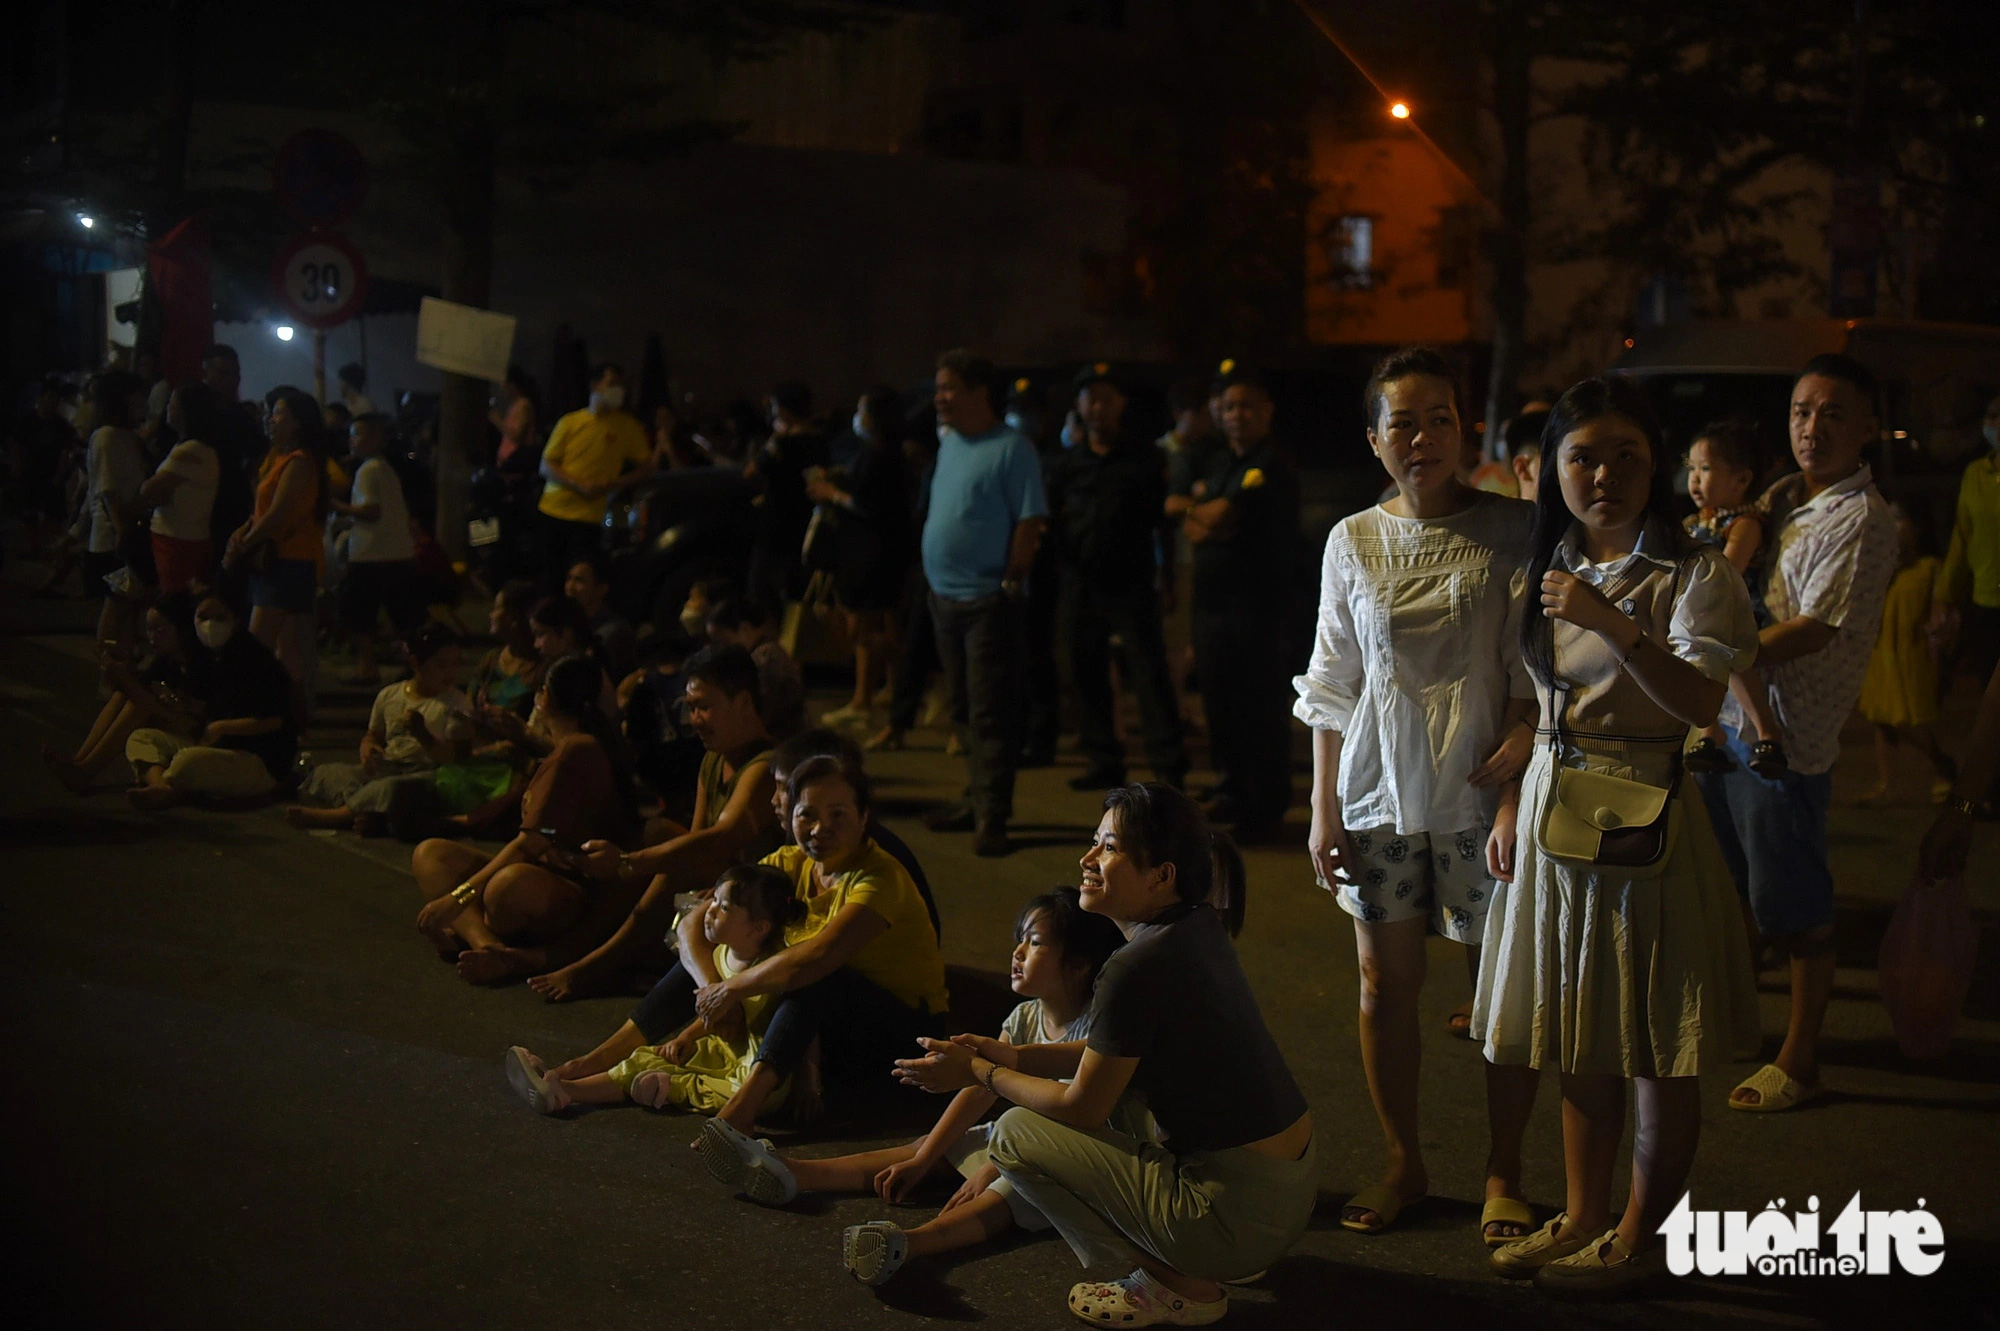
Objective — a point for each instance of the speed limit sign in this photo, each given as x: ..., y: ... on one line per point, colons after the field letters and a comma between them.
x: 321, y: 279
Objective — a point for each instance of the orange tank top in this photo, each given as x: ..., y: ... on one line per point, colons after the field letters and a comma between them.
x: 300, y: 538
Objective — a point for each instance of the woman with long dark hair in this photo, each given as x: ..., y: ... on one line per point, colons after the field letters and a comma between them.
x: 493, y: 914
x: 181, y: 492
x: 1615, y: 949
x: 1173, y: 1017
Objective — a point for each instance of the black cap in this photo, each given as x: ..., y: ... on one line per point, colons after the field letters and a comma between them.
x: 1096, y: 372
x: 1231, y: 373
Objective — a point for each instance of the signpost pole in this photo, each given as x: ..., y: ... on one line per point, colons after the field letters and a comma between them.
x: 319, y: 365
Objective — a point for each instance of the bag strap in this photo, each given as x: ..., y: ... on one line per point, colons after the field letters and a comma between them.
x: 1557, y: 736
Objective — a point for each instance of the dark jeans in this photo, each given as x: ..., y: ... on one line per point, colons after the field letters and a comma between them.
x: 1091, y: 617
x: 564, y: 543
x: 862, y: 1027
x: 1239, y: 652
x: 918, y: 659
x: 981, y: 645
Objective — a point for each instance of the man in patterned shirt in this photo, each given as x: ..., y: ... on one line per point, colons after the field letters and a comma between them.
x: 1833, y: 543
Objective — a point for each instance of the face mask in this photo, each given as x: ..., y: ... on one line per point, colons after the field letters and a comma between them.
x: 215, y: 633
x: 1991, y: 433
x: 693, y: 622
x: 1072, y: 433
x: 1016, y: 422
x: 607, y: 399
x: 859, y: 426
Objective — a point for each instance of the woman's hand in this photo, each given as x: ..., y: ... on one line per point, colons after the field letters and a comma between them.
x: 899, y: 1180
x: 715, y: 1002
x: 945, y: 1067
x: 1572, y: 600
x: 982, y: 1178
x: 997, y: 1052
x: 1502, y: 841
x: 1508, y: 759
x: 600, y: 860
x: 1331, y: 850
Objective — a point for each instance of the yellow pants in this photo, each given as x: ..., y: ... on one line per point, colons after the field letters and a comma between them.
x: 702, y: 1085
x: 196, y: 769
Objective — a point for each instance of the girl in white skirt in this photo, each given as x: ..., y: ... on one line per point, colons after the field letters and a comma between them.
x: 1615, y: 949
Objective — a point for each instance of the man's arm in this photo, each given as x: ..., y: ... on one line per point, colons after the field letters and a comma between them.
x: 747, y: 816
x: 1021, y: 550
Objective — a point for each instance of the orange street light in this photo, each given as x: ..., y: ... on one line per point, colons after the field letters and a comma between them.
x: 1400, y: 110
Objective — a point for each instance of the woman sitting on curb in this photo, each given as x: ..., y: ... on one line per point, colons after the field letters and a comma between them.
x: 1173, y: 1017
x: 158, y: 690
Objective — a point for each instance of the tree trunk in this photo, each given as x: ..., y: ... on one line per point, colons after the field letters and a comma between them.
x: 466, y: 177
x: 1507, y: 244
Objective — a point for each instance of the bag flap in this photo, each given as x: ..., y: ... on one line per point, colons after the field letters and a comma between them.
x: 1608, y: 803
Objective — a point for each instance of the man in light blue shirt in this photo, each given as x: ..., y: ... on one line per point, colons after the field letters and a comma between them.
x: 987, y: 516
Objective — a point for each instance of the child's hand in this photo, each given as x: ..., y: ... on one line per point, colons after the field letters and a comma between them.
x: 982, y: 1179
x: 1501, y: 841
x: 944, y: 1067
x: 1572, y: 600
x: 678, y: 1051
x: 990, y: 1049
x: 899, y: 1180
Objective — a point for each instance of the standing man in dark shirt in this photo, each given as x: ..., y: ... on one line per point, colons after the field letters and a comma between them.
x: 1244, y: 526
x: 1106, y: 501
x: 794, y: 447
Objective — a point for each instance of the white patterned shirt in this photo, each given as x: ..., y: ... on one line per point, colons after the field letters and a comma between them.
x: 1415, y: 657
x: 1832, y: 557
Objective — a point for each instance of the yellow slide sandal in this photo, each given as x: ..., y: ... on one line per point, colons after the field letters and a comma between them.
x: 1383, y: 1200
x: 1505, y: 1211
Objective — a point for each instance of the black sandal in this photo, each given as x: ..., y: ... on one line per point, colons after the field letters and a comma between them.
x: 1767, y: 759
x: 1708, y: 756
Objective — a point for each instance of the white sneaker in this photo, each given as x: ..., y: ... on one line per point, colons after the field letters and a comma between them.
x: 875, y: 1251
x: 1140, y: 1300
x: 746, y: 1166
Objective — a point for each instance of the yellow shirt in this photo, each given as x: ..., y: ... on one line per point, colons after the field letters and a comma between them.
x: 904, y: 959
x: 594, y: 449
x: 1975, y: 538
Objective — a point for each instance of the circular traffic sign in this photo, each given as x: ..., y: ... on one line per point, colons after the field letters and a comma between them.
x: 320, y: 178
x: 321, y: 279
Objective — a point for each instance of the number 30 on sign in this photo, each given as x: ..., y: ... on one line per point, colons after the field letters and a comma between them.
x: 321, y: 279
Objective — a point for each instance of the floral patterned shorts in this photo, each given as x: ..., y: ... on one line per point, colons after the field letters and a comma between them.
x: 1407, y: 875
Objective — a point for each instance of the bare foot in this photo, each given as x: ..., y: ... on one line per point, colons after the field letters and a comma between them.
x: 445, y: 940
x: 67, y: 770
x: 491, y: 965
x: 149, y: 798
x: 559, y: 986
x: 1459, y: 1023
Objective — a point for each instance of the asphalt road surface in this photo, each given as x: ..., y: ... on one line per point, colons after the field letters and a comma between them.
x: 247, y: 1095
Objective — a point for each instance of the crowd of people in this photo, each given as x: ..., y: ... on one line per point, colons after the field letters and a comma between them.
x: 1555, y: 717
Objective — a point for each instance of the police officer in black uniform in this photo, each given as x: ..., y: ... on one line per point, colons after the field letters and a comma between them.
x: 1107, y: 499
x: 1244, y: 526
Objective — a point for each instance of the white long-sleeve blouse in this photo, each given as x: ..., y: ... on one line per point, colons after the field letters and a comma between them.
x: 1416, y: 655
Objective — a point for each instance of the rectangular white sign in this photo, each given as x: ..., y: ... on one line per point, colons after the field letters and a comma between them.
x: 461, y: 339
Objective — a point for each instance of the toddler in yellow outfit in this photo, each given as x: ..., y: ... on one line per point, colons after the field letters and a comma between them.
x: 698, y: 1070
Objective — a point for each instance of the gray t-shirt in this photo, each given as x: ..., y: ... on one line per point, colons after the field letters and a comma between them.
x: 1024, y: 1026
x: 1175, y: 998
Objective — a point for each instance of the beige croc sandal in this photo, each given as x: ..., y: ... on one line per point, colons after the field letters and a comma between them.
x: 1603, y: 1268
x: 1776, y: 1091
x: 1505, y: 1211
x: 1520, y: 1259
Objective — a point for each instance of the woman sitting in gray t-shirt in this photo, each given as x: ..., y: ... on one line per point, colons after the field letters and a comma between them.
x: 1173, y: 1018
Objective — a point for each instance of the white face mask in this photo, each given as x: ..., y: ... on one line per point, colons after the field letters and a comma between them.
x: 1991, y: 433
x: 607, y: 399
x: 860, y: 426
x: 214, y: 633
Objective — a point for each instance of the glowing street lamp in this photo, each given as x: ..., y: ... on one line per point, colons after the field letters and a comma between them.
x: 86, y: 221
x: 1400, y: 110
x: 284, y: 332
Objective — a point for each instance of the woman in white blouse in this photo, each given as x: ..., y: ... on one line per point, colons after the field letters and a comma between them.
x: 1420, y: 712
x: 1615, y: 948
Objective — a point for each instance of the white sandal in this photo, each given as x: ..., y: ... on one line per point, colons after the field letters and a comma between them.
x: 529, y: 1078
x: 1140, y: 1300
x: 1777, y: 1091
x: 746, y: 1166
x: 1523, y: 1257
x: 875, y: 1251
